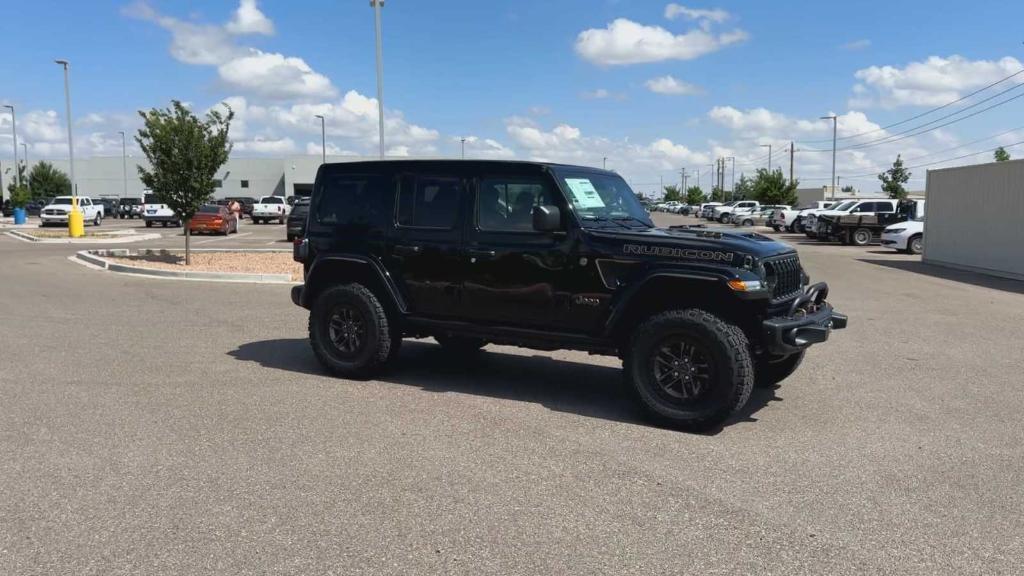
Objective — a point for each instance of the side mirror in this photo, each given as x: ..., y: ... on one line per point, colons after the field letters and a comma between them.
x: 547, y: 218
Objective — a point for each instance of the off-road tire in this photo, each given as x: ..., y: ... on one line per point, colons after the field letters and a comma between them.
x: 771, y: 371
x: 724, y: 218
x: 914, y: 245
x: 860, y: 237
x: 97, y: 219
x: 728, y: 351
x: 374, y: 354
x: 460, y: 345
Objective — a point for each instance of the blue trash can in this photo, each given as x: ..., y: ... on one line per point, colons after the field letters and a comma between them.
x: 19, y: 216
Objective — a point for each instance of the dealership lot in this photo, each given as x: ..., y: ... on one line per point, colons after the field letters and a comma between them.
x: 157, y: 426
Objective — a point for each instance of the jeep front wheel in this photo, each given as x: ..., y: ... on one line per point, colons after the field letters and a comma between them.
x: 689, y: 369
x: 349, y: 331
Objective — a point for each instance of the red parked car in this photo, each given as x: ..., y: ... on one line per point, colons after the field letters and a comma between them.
x: 214, y: 219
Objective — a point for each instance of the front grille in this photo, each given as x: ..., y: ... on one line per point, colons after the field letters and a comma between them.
x: 783, y: 276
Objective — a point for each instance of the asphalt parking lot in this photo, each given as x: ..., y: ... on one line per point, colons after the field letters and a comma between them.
x: 169, y: 427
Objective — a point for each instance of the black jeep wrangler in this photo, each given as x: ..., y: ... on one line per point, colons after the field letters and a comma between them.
x: 549, y: 256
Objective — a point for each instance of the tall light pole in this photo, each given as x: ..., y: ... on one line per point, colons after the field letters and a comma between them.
x: 67, y: 104
x: 769, y: 147
x: 732, y: 187
x: 377, y: 5
x: 14, y: 132
x: 323, y: 139
x: 124, y: 163
x: 835, y: 128
x: 463, y: 148
x: 604, y: 163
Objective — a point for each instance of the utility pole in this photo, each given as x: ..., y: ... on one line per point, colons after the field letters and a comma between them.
x: 791, y: 150
x: 463, y: 148
x: 124, y: 163
x: 377, y: 5
x: 14, y: 133
x: 323, y: 139
x: 835, y: 127
x: 682, y: 174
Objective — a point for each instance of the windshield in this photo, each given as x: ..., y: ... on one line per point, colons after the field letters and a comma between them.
x: 62, y: 201
x: 599, y: 199
x: 844, y: 206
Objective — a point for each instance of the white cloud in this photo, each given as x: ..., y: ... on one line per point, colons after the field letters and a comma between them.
x: 485, y: 148
x: 261, y: 145
x: 314, y: 148
x: 248, y: 19
x: 672, y: 86
x: 275, y: 76
x: 861, y: 44
x: 602, y: 94
x: 673, y: 11
x: 248, y: 70
x: 626, y: 42
x: 932, y: 82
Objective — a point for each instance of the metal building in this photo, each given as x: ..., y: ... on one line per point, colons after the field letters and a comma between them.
x: 975, y: 218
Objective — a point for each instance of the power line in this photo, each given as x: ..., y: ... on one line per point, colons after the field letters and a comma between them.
x: 925, y: 113
x: 904, y: 134
x: 961, y: 157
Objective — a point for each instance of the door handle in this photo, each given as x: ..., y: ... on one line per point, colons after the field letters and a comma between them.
x: 476, y: 253
x: 403, y: 250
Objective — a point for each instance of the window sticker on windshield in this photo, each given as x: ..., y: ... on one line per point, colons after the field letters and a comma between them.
x: 583, y: 193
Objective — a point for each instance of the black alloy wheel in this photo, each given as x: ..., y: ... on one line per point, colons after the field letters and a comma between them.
x: 347, y: 330
x: 683, y: 371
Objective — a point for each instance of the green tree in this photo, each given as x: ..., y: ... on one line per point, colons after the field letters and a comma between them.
x: 717, y: 194
x: 773, y: 188
x: 20, y: 196
x: 894, y: 178
x: 672, y: 194
x: 694, y: 195
x: 45, y: 181
x: 847, y: 189
x: 185, y: 154
x: 1001, y: 154
x: 19, y: 178
x: 744, y: 188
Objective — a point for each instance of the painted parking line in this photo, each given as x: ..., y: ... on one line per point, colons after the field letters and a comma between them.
x: 228, y: 237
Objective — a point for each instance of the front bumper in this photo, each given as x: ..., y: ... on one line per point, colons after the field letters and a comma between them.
x: 809, y: 320
x: 48, y: 218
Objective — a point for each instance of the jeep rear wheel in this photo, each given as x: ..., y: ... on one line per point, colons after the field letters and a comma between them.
x: 861, y: 237
x: 689, y: 369
x: 771, y: 371
x: 349, y: 331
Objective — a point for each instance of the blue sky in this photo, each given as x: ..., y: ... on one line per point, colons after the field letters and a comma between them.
x: 652, y: 86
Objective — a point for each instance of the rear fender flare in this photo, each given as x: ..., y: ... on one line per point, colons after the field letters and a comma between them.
x: 326, y: 268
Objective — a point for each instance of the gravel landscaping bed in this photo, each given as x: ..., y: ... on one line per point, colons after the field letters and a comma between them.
x: 234, y: 262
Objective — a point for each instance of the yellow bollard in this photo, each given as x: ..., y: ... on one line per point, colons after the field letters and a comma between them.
x: 76, y: 221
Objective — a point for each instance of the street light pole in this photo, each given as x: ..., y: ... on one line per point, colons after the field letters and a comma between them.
x: 604, y: 163
x: 124, y: 163
x: 377, y: 5
x: 24, y: 148
x: 323, y: 139
x: 835, y: 127
x: 67, y: 103
x: 463, y: 148
x: 769, y: 147
x: 14, y: 132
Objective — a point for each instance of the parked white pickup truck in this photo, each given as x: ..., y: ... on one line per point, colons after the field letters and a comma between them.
x: 270, y: 208
x: 156, y: 212
x: 724, y: 213
x: 56, y: 212
x: 792, y: 220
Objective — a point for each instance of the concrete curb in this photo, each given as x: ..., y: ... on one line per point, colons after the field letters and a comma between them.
x: 122, y: 239
x: 95, y: 258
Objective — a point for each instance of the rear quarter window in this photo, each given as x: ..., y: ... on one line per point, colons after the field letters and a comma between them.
x: 346, y: 199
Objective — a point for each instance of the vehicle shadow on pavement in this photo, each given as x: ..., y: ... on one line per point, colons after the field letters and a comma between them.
x: 578, y: 388
x: 973, y: 278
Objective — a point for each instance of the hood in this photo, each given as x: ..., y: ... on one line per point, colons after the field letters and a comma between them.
x: 703, y: 244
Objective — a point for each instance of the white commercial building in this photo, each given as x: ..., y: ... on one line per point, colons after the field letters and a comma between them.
x: 252, y: 177
x: 975, y: 216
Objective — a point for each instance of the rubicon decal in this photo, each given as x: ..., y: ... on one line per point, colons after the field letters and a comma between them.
x: 677, y: 253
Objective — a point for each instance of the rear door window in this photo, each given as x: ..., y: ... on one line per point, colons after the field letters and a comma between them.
x: 428, y: 201
x: 345, y: 199
x: 506, y: 204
